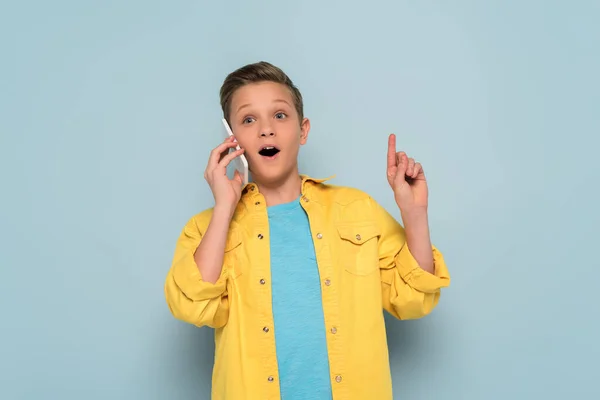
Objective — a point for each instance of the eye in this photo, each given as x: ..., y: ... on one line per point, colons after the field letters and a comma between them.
x: 247, y: 120
x: 280, y: 115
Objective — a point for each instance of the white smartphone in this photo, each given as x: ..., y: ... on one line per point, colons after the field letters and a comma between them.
x: 240, y: 163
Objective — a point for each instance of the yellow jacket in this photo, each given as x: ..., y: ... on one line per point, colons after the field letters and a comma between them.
x: 364, y: 264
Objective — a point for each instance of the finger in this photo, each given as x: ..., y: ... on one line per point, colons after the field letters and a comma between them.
x: 402, y: 159
x: 391, y: 154
x: 411, y: 167
x: 223, y: 154
x: 392, y: 171
x: 217, y: 153
x: 230, y: 139
x: 227, y: 159
x: 417, y: 170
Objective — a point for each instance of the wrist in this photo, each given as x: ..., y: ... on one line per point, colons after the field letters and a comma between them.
x: 223, y: 213
x: 414, y: 216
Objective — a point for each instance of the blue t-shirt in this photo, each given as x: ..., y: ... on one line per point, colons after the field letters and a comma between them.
x: 300, y: 334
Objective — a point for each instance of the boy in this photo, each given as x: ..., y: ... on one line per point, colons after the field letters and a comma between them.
x: 293, y: 273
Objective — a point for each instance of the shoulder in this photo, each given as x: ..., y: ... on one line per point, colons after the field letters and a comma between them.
x: 198, y: 223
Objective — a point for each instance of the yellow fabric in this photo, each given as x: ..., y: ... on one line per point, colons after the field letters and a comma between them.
x: 364, y: 265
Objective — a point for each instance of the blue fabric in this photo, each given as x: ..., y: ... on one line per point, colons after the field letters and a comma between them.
x: 300, y: 332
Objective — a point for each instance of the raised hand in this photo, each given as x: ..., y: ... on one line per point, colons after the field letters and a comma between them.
x: 406, y: 178
x: 227, y: 192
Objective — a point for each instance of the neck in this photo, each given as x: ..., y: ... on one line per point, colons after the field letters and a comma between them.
x: 284, y: 191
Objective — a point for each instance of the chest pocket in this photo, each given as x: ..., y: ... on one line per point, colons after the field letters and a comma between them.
x: 231, y: 258
x: 358, y: 252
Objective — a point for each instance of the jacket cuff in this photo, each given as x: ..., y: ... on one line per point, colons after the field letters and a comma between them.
x: 188, y: 278
x: 418, y: 278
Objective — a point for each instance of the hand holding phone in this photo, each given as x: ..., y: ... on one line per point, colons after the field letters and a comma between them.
x: 240, y: 163
x: 226, y: 191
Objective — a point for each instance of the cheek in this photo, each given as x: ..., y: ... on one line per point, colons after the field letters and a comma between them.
x: 244, y: 141
x: 295, y: 141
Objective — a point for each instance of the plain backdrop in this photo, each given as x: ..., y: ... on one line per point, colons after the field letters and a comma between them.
x: 108, y: 111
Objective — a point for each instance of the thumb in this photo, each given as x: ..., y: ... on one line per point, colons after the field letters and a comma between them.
x: 237, y: 177
x: 402, y: 166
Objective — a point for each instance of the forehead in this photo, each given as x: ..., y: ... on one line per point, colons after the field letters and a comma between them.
x: 262, y: 93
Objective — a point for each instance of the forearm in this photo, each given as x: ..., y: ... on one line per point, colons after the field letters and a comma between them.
x: 210, y: 253
x: 416, y: 225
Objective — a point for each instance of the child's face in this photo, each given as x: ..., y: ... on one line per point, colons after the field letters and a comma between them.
x: 265, y: 123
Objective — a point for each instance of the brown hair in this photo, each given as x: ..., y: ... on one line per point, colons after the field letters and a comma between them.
x: 254, y: 73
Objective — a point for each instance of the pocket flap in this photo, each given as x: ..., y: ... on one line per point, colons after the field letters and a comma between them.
x: 358, y: 232
x: 234, y: 239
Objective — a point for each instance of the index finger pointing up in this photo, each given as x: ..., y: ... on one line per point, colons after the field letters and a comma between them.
x: 391, y: 154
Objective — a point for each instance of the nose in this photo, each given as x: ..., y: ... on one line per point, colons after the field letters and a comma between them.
x: 266, y: 130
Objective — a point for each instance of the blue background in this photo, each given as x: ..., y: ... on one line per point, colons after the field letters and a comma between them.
x: 108, y: 111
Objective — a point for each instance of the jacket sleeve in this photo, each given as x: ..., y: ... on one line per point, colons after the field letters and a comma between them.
x: 189, y: 297
x: 408, y: 291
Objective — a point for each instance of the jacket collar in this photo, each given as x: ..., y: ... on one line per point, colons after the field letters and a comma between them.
x: 307, y: 183
x: 306, y: 178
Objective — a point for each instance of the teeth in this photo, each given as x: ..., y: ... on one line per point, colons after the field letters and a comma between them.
x: 268, y: 148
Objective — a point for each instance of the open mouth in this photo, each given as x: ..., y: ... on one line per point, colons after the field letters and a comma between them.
x: 268, y: 151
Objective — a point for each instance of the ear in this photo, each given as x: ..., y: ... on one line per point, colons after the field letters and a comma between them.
x: 304, y: 129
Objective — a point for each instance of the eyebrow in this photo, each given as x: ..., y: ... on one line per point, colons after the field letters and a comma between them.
x: 274, y: 101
